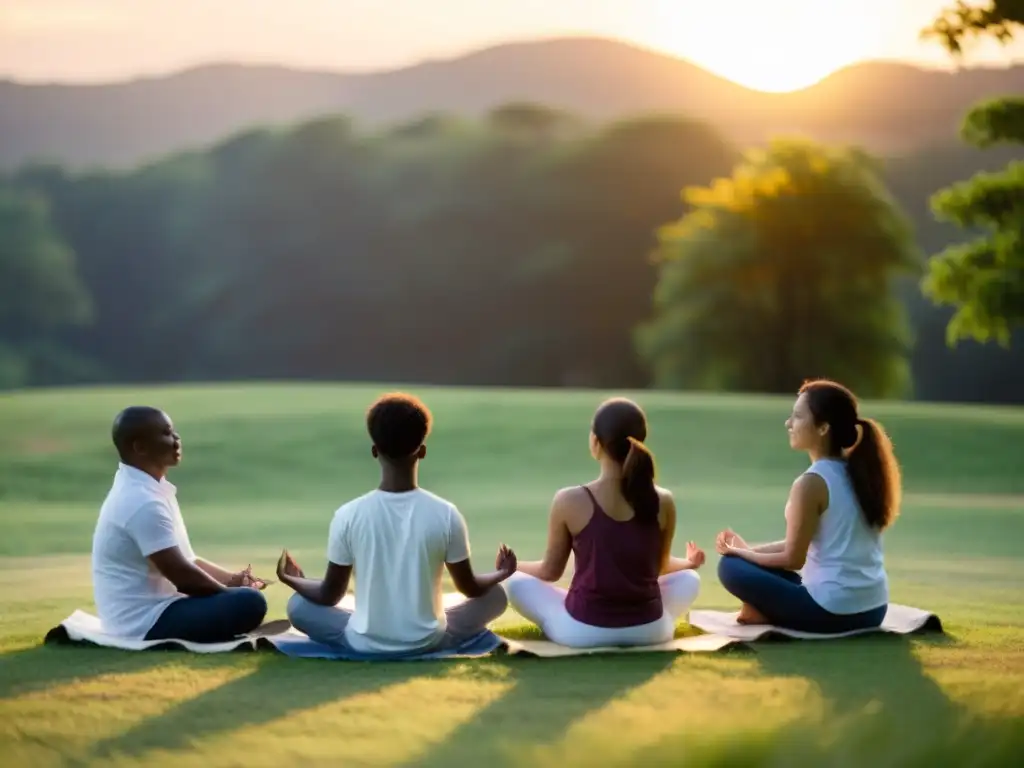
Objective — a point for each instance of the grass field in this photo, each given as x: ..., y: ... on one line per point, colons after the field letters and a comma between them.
x: 265, y: 467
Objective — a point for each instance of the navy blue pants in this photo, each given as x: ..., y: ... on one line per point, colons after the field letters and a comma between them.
x: 784, y: 600
x: 213, y: 619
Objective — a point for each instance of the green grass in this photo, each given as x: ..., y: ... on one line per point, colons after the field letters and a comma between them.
x: 265, y: 467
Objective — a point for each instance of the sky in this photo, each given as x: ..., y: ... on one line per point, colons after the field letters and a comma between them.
x: 767, y: 44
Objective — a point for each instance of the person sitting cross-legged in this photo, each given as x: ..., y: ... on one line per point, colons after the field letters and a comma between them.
x: 828, y: 575
x: 627, y: 588
x: 396, y: 539
x: 148, y: 583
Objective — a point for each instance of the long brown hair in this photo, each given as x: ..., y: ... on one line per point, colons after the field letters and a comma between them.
x: 871, y: 463
x: 620, y: 427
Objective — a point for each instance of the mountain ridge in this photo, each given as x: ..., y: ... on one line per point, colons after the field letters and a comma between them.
x: 886, y: 106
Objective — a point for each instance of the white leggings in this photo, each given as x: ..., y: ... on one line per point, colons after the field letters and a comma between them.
x: 544, y: 604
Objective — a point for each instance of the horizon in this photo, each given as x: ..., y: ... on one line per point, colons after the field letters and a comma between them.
x: 255, y: 63
x: 108, y: 41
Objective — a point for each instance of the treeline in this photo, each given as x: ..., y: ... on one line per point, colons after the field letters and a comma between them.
x: 513, y: 250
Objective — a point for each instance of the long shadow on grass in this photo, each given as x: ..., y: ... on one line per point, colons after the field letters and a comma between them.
x: 546, y: 697
x: 881, y: 708
x: 47, y: 666
x: 276, y: 687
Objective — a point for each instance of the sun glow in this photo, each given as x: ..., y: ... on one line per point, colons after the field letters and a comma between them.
x: 780, y: 46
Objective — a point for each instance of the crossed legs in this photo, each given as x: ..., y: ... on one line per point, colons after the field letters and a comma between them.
x: 775, y: 596
x: 213, y: 619
x: 543, y: 603
x: 326, y: 624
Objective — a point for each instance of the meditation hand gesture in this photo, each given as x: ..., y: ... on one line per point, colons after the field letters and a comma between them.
x: 288, y: 568
x: 506, y: 562
x: 246, y: 579
x: 694, y: 554
x: 728, y: 540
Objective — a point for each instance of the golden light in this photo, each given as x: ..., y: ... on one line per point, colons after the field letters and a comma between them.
x: 776, y: 46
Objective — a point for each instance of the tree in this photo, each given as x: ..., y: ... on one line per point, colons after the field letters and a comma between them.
x: 956, y: 23
x: 782, y: 272
x: 604, y: 200
x: 40, y: 292
x: 983, y: 279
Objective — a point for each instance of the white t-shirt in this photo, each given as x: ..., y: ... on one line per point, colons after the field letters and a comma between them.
x: 397, y: 545
x: 845, y: 568
x: 140, y: 516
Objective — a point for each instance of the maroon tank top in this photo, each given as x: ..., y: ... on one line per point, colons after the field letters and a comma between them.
x: 615, y: 583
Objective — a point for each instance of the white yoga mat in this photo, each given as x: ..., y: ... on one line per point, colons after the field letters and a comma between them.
x: 82, y: 627
x: 899, y: 620
x: 696, y: 644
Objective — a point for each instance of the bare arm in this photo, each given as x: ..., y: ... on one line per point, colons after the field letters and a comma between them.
x: 669, y: 563
x: 214, y: 571
x: 807, y: 498
x: 153, y: 529
x: 729, y: 537
x: 556, y: 555
x: 186, y: 576
x: 244, y: 578
x: 473, y: 585
x: 326, y: 591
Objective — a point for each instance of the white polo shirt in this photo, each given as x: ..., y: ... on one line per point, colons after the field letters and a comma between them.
x: 140, y: 516
x: 397, y: 545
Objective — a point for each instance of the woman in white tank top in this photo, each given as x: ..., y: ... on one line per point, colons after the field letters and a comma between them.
x: 828, y: 574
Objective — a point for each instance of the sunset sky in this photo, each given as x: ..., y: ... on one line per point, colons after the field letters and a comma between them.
x: 777, y: 45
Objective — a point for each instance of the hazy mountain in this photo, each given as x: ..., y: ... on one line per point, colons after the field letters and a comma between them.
x: 887, y: 106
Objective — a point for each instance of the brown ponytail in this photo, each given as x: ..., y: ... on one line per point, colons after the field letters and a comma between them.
x: 870, y: 461
x: 875, y: 475
x: 620, y: 427
x: 638, y: 472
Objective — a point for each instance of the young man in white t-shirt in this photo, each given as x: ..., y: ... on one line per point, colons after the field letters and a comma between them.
x: 147, y: 582
x: 397, y: 539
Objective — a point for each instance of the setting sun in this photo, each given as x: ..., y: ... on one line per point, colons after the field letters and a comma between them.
x: 781, y: 46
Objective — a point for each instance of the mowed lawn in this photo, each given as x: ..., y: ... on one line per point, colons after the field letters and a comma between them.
x: 265, y: 467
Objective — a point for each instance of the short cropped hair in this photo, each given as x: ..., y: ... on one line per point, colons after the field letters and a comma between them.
x: 398, y: 425
x: 133, y: 423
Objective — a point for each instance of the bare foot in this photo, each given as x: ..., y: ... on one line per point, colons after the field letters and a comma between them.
x: 750, y: 615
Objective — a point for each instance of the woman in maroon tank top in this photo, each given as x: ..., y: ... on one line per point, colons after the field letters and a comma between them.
x: 627, y: 589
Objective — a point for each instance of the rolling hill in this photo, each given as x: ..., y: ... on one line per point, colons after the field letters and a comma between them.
x: 888, y: 107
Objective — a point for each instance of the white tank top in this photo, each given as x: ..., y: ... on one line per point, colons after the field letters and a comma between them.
x: 844, y: 571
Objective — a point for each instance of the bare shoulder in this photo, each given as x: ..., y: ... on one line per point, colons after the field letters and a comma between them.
x: 666, y: 507
x: 572, y: 506
x: 569, y: 498
x: 666, y: 499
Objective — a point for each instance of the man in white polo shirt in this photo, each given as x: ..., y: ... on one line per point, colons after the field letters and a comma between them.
x: 147, y: 581
x: 396, y: 539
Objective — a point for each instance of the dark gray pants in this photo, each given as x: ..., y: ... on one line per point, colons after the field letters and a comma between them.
x: 326, y: 623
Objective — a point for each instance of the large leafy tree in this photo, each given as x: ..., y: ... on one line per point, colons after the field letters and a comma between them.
x: 781, y: 272
x: 983, y: 279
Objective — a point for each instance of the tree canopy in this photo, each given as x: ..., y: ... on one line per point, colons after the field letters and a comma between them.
x: 984, y: 278
x: 782, y: 272
x: 511, y: 250
x: 963, y: 22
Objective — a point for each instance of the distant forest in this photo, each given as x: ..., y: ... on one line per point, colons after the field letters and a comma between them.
x: 512, y: 249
